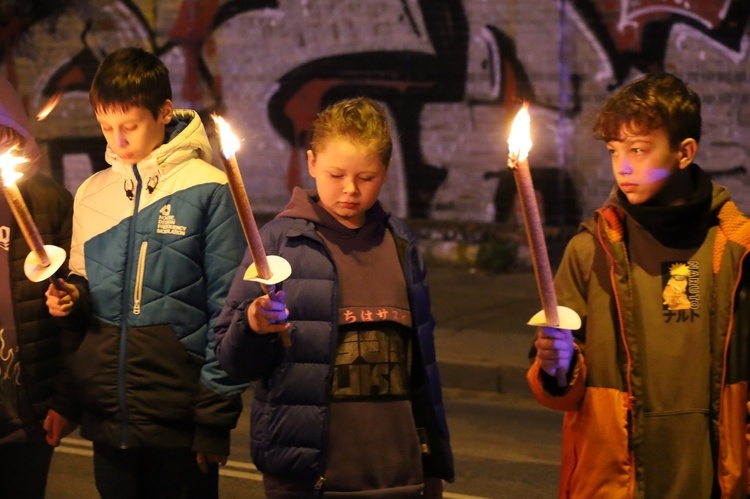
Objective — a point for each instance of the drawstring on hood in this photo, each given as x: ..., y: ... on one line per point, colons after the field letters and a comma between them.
x: 129, y: 187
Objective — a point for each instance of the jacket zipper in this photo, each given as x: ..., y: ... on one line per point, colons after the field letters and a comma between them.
x: 320, y: 482
x: 138, y: 291
x: 603, y: 240
x: 122, y: 361
x: 332, y: 348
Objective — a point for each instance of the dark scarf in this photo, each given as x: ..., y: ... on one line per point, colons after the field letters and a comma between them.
x: 680, y: 226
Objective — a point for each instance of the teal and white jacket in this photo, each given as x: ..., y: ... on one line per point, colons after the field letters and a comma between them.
x: 156, y: 244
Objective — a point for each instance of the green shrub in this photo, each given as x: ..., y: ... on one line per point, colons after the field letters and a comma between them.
x: 497, y: 255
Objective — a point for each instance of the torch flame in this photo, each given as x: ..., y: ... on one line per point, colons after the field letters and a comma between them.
x: 49, y: 106
x: 519, y: 141
x: 8, y: 162
x: 227, y: 140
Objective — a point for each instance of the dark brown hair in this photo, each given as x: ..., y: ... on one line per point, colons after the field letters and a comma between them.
x: 658, y: 100
x: 130, y: 77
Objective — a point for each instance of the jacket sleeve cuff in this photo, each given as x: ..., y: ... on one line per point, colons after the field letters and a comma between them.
x: 545, y: 389
x: 65, y: 407
x: 211, y: 439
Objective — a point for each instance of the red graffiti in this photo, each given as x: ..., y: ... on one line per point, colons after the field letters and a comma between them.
x: 626, y: 20
x: 192, y: 31
x: 635, y: 33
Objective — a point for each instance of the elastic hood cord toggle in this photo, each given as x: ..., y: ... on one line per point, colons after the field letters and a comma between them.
x: 129, y: 186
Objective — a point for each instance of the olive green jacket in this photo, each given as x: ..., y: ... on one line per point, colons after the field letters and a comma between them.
x: 600, y: 435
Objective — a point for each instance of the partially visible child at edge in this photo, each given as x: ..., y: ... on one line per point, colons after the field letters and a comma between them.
x: 656, y: 400
x: 354, y: 407
x: 33, y: 347
x: 156, y: 240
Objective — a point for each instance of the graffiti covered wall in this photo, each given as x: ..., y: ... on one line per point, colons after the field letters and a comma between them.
x: 450, y: 73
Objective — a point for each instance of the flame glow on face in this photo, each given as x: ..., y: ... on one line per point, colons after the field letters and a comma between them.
x: 8, y: 163
x: 519, y: 141
x: 228, y: 141
x: 643, y: 165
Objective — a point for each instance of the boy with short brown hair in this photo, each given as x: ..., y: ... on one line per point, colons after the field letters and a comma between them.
x: 156, y: 240
x: 656, y: 401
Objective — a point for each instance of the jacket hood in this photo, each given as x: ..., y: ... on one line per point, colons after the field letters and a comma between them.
x: 185, y: 139
x: 13, y: 115
x: 304, y: 205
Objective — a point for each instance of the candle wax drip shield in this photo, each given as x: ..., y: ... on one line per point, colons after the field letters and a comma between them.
x: 34, y: 269
x: 569, y: 319
x: 280, y: 270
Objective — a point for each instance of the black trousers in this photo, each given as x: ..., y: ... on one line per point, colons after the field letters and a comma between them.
x: 23, y: 469
x: 150, y: 473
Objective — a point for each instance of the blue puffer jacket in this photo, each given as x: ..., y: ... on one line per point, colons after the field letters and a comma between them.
x: 158, y: 243
x: 289, y: 420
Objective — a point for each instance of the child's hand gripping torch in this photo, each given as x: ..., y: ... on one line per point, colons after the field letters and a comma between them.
x: 268, y: 270
x: 44, y: 260
x: 551, y: 315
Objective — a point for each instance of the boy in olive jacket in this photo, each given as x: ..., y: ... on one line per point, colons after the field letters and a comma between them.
x: 656, y: 401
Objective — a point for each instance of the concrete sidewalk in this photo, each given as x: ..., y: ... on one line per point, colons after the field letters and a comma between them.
x: 482, y: 339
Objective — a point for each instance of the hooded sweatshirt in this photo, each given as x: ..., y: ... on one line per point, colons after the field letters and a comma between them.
x: 373, y: 444
x: 29, y: 337
x: 670, y: 255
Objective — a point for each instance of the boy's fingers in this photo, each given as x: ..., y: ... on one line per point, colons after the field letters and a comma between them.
x: 277, y: 296
x: 200, y: 458
x: 551, y: 332
x: 554, y: 355
x: 277, y: 328
x: 267, y: 303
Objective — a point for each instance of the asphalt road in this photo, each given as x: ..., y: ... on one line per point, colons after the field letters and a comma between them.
x: 504, y: 447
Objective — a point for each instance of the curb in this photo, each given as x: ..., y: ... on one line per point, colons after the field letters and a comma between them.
x: 482, y: 360
x: 508, y: 380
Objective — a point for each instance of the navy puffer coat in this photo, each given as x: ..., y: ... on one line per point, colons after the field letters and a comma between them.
x: 289, y: 419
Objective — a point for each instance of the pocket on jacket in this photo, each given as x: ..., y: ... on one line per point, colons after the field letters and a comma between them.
x: 94, y: 369
x: 162, y: 376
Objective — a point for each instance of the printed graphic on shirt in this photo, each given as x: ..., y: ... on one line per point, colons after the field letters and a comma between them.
x: 10, y: 369
x: 11, y: 414
x: 167, y: 223
x: 351, y: 315
x: 681, y: 294
x: 371, y: 363
x: 4, y: 237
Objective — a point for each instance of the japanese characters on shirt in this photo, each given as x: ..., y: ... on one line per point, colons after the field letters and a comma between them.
x: 681, y: 295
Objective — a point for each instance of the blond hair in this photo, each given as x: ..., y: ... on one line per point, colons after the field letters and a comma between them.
x: 360, y: 120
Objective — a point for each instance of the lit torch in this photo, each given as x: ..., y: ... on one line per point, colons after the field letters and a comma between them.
x: 551, y: 315
x: 268, y: 270
x: 43, y: 260
x: 49, y: 106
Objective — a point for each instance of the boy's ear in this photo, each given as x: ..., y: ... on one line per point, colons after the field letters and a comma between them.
x: 165, y: 112
x: 687, y: 151
x: 311, y: 162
